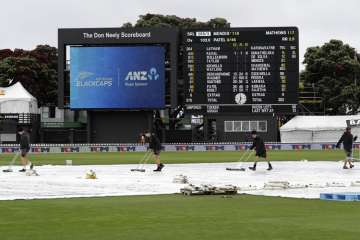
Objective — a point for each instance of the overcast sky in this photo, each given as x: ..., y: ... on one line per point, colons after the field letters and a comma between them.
x: 27, y: 23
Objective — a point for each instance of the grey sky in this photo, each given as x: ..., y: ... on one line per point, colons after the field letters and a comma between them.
x: 27, y: 23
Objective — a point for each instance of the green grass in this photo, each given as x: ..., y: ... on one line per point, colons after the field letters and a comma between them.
x: 177, y: 217
x: 174, y: 157
x: 174, y: 216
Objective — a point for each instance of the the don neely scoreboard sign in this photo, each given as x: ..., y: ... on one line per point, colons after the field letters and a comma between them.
x: 250, y: 70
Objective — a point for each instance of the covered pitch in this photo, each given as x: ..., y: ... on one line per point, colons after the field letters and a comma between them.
x: 303, y: 180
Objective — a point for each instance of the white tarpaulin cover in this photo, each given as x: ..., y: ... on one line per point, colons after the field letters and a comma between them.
x: 118, y: 180
x: 16, y: 99
x: 309, y: 129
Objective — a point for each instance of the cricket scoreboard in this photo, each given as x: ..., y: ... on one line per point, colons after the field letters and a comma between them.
x: 249, y: 70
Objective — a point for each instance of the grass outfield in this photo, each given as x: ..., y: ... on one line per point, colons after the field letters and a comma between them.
x: 177, y: 217
x: 174, y: 157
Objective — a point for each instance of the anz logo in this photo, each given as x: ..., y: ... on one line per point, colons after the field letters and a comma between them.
x: 353, y: 122
x: 152, y: 74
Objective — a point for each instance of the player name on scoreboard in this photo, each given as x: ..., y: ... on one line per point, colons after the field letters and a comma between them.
x: 252, y: 70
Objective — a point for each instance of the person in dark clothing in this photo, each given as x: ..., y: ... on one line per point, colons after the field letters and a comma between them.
x: 155, y: 146
x: 142, y: 138
x: 260, y: 150
x: 347, y: 139
x: 24, y: 149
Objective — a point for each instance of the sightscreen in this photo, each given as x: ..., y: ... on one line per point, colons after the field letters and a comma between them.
x: 117, y: 77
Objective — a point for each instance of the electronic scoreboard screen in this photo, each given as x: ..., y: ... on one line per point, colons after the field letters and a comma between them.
x: 249, y: 70
x: 117, y: 77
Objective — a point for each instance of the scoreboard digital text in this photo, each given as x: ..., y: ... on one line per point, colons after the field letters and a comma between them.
x: 247, y: 70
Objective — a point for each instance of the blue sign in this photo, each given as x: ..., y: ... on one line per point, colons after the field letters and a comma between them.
x: 117, y: 77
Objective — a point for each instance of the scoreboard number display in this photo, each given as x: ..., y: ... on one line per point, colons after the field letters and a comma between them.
x: 246, y: 70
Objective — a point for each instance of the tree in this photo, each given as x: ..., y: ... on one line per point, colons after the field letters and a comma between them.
x: 334, y: 69
x: 4, y: 53
x: 158, y: 20
x: 35, y: 69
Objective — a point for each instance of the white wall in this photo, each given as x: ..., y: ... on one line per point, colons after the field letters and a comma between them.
x: 18, y: 106
x: 44, y: 113
x: 61, y: 115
